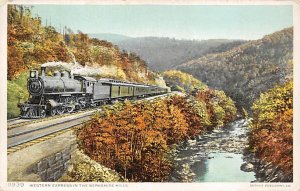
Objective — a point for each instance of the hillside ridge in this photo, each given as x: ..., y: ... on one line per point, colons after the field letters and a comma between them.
x: 163, y: 53
x: 248, y: 69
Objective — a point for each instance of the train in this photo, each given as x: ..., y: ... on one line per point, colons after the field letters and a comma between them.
x: 64, y: 92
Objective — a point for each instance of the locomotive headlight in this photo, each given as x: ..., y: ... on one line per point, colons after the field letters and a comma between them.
x: 32, y: 74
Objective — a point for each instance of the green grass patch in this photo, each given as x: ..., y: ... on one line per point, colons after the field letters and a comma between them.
x: 16, y: 93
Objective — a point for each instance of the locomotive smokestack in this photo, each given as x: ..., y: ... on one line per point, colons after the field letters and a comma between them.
x: 43, y: 70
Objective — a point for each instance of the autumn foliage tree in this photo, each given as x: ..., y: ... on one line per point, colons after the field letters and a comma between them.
x: 135, y: 138
x: 29, y: 43
x: 180, y: 81
x: 220, y: 108
x: 194, y: 111
x: 271, y: 135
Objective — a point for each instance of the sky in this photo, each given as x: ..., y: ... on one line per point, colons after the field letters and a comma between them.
x: 197, y: 22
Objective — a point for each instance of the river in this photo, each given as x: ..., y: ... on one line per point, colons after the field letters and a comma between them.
x: 215, y: 156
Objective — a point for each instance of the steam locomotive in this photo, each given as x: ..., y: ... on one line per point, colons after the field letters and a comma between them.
x: 64, y: 93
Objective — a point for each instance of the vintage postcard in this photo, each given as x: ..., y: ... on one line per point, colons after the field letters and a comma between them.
x: 148, y: 95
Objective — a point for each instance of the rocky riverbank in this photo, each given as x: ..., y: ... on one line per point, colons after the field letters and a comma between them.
x: 193, y: 157
x: 194, y: 160
x: 265, y: 172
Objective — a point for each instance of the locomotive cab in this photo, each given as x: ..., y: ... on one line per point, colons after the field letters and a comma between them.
x: 87, y: 83
x: 88, y: 87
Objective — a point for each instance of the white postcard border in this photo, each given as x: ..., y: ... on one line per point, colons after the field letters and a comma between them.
x: 37, y: 186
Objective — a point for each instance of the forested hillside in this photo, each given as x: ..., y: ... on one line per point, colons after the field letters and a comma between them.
x: 165, y: 53
x: 31, y: 44
x: 249, y: 69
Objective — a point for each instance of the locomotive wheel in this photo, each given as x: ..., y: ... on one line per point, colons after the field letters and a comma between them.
x: 82, y: 105
x: 60, y: 110
x: 70, y: 109
x: 43, y: 113
x: 27, y: 113
x: 53, y: 112
x: 78, y: 107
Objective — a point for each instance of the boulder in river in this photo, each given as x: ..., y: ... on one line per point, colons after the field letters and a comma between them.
x: 192, y: 142
x: 247, y: 167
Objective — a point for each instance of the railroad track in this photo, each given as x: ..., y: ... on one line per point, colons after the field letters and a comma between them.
x: 13, y: 119
x: 21, y: 134
x: 18, y: 122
